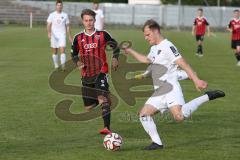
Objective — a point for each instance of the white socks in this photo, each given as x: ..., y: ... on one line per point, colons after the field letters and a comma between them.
x: 190, y: 107
x: 63, y: 59
x: 55, y: 60
x: 151, y: 129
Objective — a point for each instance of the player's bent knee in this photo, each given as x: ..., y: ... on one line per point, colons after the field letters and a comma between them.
x: 102, y: 99
x: 88, y: 108
x: 147, y: 111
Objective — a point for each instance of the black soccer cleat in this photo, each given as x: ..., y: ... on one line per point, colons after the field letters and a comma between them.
x: 153, y: 146
x: 215, y: 94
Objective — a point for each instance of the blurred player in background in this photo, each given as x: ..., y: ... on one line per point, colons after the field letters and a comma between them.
x: 57, y: 25
x: 199, y: 29
x: 88, y: 53
x: 99, y: 24
x: 234, y: 27
x: 164, y: 54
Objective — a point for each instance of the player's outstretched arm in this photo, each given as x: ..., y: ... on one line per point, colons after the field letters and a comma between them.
x: 199, y: 84
x: 141, y: 58
x: 49, y: 25
x: 209, y: 30
x: 74, y: 54
x: 69, y: 33
x: 193, y: 29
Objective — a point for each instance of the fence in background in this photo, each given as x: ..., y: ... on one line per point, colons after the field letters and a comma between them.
x: 166, y: 15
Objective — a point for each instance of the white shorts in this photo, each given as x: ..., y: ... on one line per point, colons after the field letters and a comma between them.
x: 164, y: 102
x: 58, y: 41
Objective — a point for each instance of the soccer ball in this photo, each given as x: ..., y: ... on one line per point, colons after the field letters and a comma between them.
x: 112, y: 142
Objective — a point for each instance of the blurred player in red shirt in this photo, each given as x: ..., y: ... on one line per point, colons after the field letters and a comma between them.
x: 199, y: 29
x: 234, y: 27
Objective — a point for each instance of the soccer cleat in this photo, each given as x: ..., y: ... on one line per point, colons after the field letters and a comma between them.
x: 153, y: 146
x: 238, y: 64
x: 215, y: 94
x: 105, y: 131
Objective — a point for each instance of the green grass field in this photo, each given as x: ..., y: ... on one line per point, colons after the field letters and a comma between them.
x: 30, y: 130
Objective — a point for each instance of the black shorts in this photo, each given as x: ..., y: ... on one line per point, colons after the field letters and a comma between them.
x: 91, y: 89
x: 199, y: 37
x: 235, y: 43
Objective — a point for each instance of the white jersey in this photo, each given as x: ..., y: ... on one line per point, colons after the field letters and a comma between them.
x: 99, y: 16
x: 59, y: 22
x: 165, y: 54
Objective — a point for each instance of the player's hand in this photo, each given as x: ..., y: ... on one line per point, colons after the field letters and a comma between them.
x: 200, y: 84
x: 80, y: 65
x: 49, y: 36
x: 70, y: 39
x: 114, y: 64
x: 138, y: 76
x: 127, y: 50
x: 193, y: 33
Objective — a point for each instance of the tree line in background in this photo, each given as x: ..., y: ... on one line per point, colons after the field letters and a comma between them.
x: 184, y: 2
x: 204, y: 2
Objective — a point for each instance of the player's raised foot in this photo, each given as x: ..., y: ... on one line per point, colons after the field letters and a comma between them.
x: 153, y: 146
x: 105, y: 131
x: 215, y: 94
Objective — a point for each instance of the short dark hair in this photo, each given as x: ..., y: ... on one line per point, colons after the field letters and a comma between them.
x: 236, y: 10
x: 88, y: 12
x: 58, y: 1
x: 151, y: 24
x: 200, y: 9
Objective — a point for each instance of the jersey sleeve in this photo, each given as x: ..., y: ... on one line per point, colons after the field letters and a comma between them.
x: 101, y: 14
x: 75, y: 50
x: 230, y: 24
x: 150, y: 54
x: 112, y: 43
x: 49, y: 19
x: 206, y: 22
x: 195, y: 22
x: 172, y: 53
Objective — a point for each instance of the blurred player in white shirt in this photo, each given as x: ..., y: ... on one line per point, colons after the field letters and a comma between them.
x: 99, y: 23
x: 164, y: 57
x: 57, y: 25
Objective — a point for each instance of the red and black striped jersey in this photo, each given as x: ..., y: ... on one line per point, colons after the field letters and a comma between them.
x: 200, y: 23
x: 234, y: 24
x: 90, y: 50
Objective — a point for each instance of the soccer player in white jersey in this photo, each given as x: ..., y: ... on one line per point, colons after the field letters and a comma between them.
x: 99, y: 23
x: 57, y: 26
x: 164, y: 53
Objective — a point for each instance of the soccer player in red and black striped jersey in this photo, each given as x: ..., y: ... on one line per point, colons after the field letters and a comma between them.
x: 234, y: 27
x: 88, y: 52
x: 199, y: 29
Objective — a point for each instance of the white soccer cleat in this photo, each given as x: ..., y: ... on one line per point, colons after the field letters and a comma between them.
x: 238, y: 64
